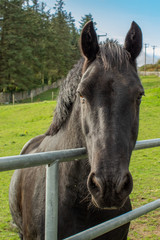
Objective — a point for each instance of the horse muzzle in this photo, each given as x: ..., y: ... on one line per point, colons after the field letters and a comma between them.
x: 109, y: 193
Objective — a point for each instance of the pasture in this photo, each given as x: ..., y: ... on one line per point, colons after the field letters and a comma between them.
x: 19, y: 123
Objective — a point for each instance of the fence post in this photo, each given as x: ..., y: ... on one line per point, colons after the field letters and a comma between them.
x: 51, y: 208
x: 31, y: 96
x: 13, y: 98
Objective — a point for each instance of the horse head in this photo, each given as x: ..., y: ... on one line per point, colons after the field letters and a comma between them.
x: 110, y: 93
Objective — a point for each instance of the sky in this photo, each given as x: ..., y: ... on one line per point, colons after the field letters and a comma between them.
x: 114, y: 17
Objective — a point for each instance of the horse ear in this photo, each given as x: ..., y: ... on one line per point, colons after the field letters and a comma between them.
x: 133, y: 41
x: 89, y: 42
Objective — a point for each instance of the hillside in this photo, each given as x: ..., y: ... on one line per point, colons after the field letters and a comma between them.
x: 151, y: 67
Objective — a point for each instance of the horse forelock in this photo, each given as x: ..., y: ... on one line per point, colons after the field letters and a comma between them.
x: 66, y: 98
x: 114, y: 55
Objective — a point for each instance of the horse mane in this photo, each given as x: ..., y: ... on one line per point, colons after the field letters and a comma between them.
x: 111, y: 54
x: 114, y: 55
x: 66, y: 98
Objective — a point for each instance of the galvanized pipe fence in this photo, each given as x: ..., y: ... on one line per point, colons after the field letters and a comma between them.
x: 52, y: 160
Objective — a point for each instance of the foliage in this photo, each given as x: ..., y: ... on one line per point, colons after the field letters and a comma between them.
x: 19, y: 123
x: 151, y: 67
x: 36, y: 47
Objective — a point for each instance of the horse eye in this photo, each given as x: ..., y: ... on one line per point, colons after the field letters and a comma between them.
x: 140, y: 97
x: 81, y: 96
x: 79, y: 93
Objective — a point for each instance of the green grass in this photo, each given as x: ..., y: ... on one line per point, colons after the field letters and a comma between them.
x: 19, y: 123
x: 145, y: 164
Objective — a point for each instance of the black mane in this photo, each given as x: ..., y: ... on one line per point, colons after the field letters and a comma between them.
x: 66, y: 97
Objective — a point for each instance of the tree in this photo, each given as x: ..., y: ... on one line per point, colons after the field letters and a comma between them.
x: 35, y: 47
x: 10, y: 55
x: 85, y: 19
x: 35, y: 5
x: 62, y: 39
x: 20, y: 47
x: 74, y: 37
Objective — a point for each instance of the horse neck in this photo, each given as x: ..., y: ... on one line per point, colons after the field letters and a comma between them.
x: 73, y: 175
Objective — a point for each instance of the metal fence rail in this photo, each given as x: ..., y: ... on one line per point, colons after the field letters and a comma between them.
x: 116, y: 222
x: 52, y: 159
x: 43, y: 158
x: 37, y: 159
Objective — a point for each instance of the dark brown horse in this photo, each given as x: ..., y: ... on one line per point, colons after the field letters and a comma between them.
x: 98, y: 108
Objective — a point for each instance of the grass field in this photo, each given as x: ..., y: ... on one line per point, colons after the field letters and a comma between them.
x: 19, y: 123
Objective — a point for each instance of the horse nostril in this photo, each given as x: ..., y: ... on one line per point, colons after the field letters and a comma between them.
x: 126, y: 184
x: 94, y: 184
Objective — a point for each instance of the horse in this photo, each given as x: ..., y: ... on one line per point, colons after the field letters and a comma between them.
x: 97, y: 108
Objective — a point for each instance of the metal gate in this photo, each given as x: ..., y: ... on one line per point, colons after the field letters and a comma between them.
x: 52, y: 159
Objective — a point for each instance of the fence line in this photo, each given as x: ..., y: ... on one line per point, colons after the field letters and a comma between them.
x: 43, y: 158
x: 116, y: 222
x: 18, y: 96
x: 52, y: 159
x: 147, y: 73
x: 6, y: 98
